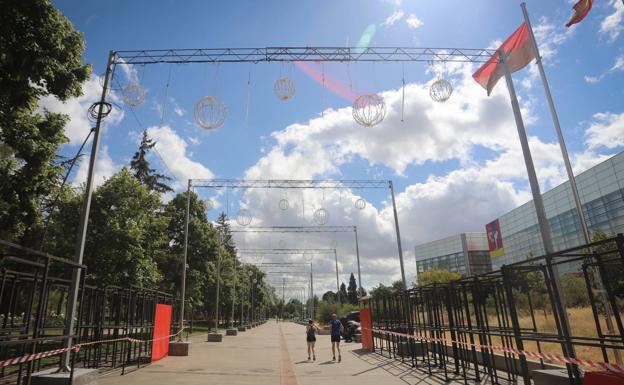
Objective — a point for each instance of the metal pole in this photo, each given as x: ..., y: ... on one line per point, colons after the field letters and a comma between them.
x: 233, y: 295
x: 184, y: 259
x: 570, y: 172
x: 537, y: 197
x: 357, y: 255
x: 337, y: 279
x: 398, y: 233
x: 218, y: 281
x: 72, y: 298
x: 283, y: 299
x: 528, y: 160
x: 311, y: 292
x: 555, y: 119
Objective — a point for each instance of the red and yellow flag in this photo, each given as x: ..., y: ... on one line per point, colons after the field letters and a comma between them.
x: 519, y: 51
x: 581, y: 9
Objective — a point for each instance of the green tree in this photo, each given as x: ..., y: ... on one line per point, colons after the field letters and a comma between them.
x: 437, y: 276
x: 142, y: 170
x: 381, y: 291
x: 352, y: 293
x: 41, y: 54
x: 343, y: 293
x: 329, y: 296
x: 202, y: 254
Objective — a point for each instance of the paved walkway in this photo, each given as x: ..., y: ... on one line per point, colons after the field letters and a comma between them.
x: 270, y: 354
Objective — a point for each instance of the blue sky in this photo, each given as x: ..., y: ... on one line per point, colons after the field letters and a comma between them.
x: 455, y: 165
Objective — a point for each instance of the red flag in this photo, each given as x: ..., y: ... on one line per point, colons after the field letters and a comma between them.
x: 581, y: 9
x: 519, y: 51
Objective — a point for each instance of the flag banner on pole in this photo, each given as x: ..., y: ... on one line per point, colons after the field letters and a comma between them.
x: 581, y: 9
x: 519, y: 52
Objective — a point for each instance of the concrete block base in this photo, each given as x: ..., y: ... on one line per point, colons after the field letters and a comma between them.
x: 50, y: 377
x: 550, y: 377
x: 215, y: 337
x: 241, y: 329
x: 231, y: 332
x: 180, y: 348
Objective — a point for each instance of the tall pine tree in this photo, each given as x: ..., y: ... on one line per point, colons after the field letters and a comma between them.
x: 352, y: 294
x: 141, y: 167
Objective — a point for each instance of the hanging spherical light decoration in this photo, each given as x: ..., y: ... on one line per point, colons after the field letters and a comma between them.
x: 244, y: 217
x: 441, y: 90
x: 284, y: 88
x: 369, y: 110
x: 254, y: 281
x: 321, y: 216
x: 209, y: 204
x: 283, y: 204
x: 210, y: 112
x: 133, y: 94
x: 257, y: 258
x: 360, y: 204
x: 307, y: 257
x: 282, y: 244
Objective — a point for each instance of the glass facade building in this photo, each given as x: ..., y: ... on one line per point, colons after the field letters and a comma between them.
x: 465, y: 253
x: 601, y: 189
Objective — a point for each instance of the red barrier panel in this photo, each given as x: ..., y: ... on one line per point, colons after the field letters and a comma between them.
x: 162, y: 325
x: 366, y: 325
x: 603, y: 378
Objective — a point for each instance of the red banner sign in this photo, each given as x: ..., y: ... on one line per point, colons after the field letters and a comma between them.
x: 162, y: 325
x: 495, y: 239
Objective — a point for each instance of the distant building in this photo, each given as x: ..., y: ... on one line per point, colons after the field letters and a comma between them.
x: 465, y: 253
x: 514, y: 236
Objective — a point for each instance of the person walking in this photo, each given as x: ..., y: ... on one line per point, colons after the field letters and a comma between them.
x: 311, y: 330
x: 336, y: 330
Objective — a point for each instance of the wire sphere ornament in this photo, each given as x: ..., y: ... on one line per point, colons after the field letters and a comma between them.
x: 360, y: 204
x: 282, y: 244
x: 284, y: 88
x: 307, y: 257
x: 133, y: 94
x: 369, y: 110
x: 257, y: 258
x: 209, y: 204
x: 244, y: 217
x: 321, y: 216
x: 254, y: 280
x: 441, y: 90
x: 210, y: 112
x: 283, y: 204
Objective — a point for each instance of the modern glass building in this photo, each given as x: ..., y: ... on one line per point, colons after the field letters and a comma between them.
x: 465, y: 253
x: 601, y: 189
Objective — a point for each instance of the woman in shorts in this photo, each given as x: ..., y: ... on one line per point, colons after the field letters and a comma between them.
x: 311, y: 330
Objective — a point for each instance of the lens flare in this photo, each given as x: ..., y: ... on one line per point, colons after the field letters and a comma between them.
x: 335, y: 86
x: 366, y: 38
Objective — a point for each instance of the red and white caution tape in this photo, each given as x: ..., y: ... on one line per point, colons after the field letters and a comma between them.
x: 552, y: 357
x: 77, y: 347
x: 36, y: 356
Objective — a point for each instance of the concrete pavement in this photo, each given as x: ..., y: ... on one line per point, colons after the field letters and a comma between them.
x: 270, y: 354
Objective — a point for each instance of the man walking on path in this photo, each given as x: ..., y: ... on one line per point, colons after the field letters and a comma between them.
x: 336, y: 330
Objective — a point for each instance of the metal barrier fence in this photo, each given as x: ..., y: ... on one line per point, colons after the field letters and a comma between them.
x: 33, y: 306
x: 555, y: 311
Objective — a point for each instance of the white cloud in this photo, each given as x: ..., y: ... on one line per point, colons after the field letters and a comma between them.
x: 104, y: 168
x: 79, y: 125
x: 481, y: 187
x: 413, y: 22
x: 129, y: 71
x: 173, y: 150
x: 607, y: 130
x: 617, y: 66
x: 396, y: 16
x: 611, y: 26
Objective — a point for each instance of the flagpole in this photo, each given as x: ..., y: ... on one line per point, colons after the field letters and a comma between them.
x: 542, y: 221
x: 555, y: 119
x: 570, y: 172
